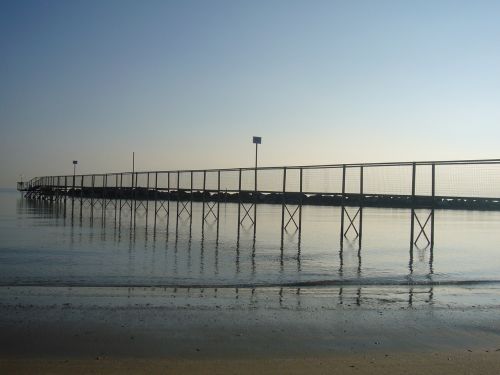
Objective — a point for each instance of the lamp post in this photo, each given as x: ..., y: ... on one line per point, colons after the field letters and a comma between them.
x: 257, y: 141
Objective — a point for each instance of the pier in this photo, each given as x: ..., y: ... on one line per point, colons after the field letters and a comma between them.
x: 421, y: 187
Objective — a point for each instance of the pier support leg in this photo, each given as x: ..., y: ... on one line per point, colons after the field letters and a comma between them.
x: 424, y: 229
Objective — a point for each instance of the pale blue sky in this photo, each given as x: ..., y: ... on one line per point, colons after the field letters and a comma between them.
x: 186, y: 84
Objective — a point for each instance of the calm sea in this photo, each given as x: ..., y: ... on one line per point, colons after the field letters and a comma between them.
x: 45, y: 243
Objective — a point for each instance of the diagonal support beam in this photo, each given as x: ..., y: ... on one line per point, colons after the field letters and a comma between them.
x: 184, y: 208
x: 162, y: 206
x: 352, y: 223
x: 247, y: 213
x: 422, y: 230
x: 291, y: 216
x: 211, y: 208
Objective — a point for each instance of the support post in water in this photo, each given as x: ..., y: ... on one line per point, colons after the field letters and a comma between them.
x: 283, y: 205
x: 81, y: 195
x: 425, y: 227
x: 156, y: 201
x: 342, y: 201
x: 239, y: 206
x: 177, y: 209
x: 291, y: 205
x: 168, y: 202
x: 147, y: 199
x: 351, y: 217
x: 203, y: 203
x: 218, y: 204
x: 191, y: 202
x: 247, y: 206
x: 300, y: 205
x: 412, y: 220
x: 361, y: 201
x: 433, y: 203
x: 104, y: 203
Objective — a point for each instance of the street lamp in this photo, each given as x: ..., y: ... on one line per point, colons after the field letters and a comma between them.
x: 257, y: 141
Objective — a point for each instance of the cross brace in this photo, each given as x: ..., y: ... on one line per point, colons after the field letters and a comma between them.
x: 247, y: 213
x: 138, y: 204
x: 352, y: 222
x: 184, y: 208
x: 162, y: 206
x: 211, y: 207
x: 291, y: 215
x: 424, y: 228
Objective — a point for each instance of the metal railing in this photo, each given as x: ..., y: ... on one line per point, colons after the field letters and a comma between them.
x: 467, y: 179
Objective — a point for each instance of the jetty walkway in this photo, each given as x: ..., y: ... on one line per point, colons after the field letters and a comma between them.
x: 424, y: 186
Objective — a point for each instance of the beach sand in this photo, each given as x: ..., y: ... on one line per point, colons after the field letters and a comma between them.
x: 400, y: 363
x: 244, y: 331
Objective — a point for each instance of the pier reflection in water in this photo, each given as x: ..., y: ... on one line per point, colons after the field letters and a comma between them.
x: 111, y: 246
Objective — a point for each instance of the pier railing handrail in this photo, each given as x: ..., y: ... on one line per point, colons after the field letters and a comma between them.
x: 292, y: 167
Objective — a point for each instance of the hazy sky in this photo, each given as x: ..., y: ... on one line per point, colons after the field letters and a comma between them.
x: 186, y: 84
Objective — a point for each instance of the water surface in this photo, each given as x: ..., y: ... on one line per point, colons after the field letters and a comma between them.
x: 44, y: 243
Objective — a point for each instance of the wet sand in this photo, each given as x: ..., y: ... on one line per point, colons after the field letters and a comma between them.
x: 400, y: 363
x: 266, y: 330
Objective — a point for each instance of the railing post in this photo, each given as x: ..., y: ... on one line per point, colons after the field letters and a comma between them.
x: 413, y: 179
x: 361, y: 183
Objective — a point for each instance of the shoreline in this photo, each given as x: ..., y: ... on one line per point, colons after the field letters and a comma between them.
x: 383, y: 330
x: 321, y: 319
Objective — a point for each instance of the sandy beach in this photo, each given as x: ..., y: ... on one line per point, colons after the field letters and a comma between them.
x: 245, y: 331
x: 407, y: 363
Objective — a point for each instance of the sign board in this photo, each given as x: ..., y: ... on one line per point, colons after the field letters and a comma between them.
x: 75, y: 161
x: 257, y: 140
